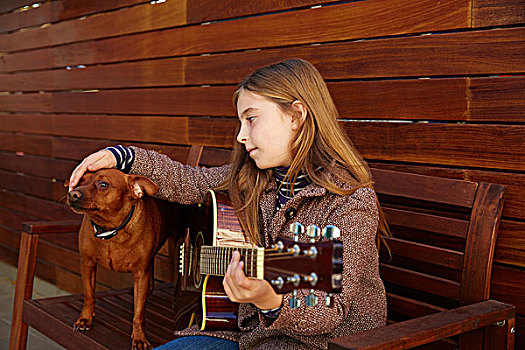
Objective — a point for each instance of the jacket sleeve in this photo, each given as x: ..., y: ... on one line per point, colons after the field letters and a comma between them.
x: 357, y: 217
x: 177, y: 182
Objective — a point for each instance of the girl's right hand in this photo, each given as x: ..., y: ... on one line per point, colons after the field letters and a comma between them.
x: 93, y: 162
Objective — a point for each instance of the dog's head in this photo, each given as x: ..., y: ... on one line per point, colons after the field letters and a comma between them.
x: 108, y: 190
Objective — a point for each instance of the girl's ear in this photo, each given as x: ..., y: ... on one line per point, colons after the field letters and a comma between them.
x: 299, y: 115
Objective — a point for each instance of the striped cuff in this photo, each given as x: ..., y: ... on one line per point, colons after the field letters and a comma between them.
x: 124, y: 157
x: 272, y: 313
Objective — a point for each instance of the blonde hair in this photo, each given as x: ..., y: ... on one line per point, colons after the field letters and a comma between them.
x: 321, y: 149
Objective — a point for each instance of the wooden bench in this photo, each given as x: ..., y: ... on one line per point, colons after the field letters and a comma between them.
x: 437, y: 280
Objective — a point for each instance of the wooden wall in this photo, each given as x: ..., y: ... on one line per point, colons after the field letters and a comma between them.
x: 423, y: 86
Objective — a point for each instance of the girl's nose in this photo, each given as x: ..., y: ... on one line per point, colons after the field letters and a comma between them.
x: 241, y: 136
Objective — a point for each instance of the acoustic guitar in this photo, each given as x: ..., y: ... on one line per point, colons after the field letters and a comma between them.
x: 214, y: 233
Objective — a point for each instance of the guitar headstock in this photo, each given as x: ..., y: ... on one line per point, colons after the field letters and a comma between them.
x: 316, y: 265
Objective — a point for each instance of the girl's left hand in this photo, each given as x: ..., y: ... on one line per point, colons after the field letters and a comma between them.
x: 241, y: 289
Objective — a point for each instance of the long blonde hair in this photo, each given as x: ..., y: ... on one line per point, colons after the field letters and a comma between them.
x: 321, y: 143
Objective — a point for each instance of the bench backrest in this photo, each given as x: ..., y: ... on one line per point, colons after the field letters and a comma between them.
x: 443, y: 238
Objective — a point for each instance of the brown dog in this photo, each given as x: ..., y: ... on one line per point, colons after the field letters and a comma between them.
x: 122, y: 229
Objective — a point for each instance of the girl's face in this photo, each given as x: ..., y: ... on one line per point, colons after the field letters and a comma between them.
x: 266, y: 131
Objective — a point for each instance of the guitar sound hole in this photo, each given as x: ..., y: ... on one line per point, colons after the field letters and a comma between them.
x: 195, y: 261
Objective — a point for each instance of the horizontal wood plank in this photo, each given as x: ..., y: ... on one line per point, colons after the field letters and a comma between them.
x: 10, y: 5
x: 414, y: 186
x: 134, y: 19
x: 513, y: 182
x: 42, y: 209
x: 425, y: 253
x: 510, y: 244
x: 154, y: 16
x: 76, y: 149
x: 177, y: 101
x: 410, y: 307
x: 40, y: 166
x: 459, y: 54
x: 484, y: 146
x: 208, y: 10
x: 497, y: 12
x: 347, y: 21
x: 419, y: 281
x: 58, y: 10
x: 39, y: 187
x: 477, y: 99
x: 68, y: 316
x: 507, y: 286
x: 462, y: 53
x: 497, y: 99
x: 51, y: 146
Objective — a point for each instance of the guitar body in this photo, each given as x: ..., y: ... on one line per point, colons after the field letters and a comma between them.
x: 201, y: 299
x: 211, y: 236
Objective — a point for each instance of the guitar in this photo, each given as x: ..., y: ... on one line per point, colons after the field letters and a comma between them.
x: 205, y: 252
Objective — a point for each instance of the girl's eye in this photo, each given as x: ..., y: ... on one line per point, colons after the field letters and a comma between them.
x: 102, y: 184
x: 250, y: 119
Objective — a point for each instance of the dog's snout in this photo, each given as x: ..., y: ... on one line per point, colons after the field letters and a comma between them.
x: 74, y: 196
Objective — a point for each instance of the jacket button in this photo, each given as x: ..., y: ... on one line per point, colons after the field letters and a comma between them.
x: 289, y: 213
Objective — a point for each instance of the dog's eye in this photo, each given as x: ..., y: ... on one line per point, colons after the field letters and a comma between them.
x: 102, y: 184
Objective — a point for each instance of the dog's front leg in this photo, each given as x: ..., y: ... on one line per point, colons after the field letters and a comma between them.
x: 140, y: 292
x: 89, y: 278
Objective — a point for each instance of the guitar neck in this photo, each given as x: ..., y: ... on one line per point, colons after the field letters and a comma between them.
x: 215, y: 260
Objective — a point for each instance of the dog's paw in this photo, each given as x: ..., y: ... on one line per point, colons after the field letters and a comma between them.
x: 141, y: 344
x: 139, y: 340
x: 82, y: 324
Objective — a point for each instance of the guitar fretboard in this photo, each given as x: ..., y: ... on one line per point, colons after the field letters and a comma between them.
x: 215, y: 260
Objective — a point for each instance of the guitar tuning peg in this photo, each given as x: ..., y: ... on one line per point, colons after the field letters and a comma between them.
x: 297, y: 229
x: 312, y: 232
x: 311, y: 278
x: 279, y: 282
x: 331, y: 232
x: 294, y: 302
x: 295, y: 279
x: 311, y: 299
x: 329, y: 300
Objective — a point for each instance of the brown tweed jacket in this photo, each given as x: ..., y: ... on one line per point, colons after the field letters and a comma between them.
x: 362, y: 303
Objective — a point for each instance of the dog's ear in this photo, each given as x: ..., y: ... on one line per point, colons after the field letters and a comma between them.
x: 141, y: 185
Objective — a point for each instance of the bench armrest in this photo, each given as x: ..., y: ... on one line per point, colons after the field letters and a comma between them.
x: 26, y: 271
x: 427, y: 329
x: 37, y: 227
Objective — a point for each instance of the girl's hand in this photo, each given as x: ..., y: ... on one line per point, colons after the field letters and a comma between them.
x: 241, y: 289
x: 93, y: 162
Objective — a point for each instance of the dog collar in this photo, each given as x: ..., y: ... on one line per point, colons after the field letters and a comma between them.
x: 100, y: 233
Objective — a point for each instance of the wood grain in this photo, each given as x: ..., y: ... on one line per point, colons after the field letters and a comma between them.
x: 54, y: 11
x: 472, y: 99
x: 145, y: 17
x: 514, y: 182
x: 497, y: 12
x: 460, y: 145
x: 39, y: 208
x: 208, y: 10
x: 507, y: 286
x: 10, y: 5
x: 355, y: 20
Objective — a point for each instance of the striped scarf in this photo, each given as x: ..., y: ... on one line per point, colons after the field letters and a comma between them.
x: 287, y: 192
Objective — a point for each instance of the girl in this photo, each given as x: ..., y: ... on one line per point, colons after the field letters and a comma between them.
x: 292, y: 162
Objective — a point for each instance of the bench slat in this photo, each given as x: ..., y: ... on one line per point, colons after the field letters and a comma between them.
x: 439, y: 190
x: 420, y: 281
x: 428, y: 254
x: 427, y: 222
x: 410, y: 307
